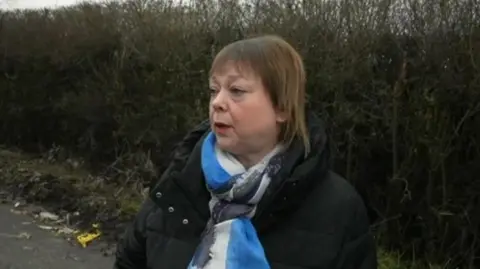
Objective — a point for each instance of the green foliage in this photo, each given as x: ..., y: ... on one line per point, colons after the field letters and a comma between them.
x: 397, y: 82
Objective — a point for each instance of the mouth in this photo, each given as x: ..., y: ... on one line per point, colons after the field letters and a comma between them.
x: 221, y: 127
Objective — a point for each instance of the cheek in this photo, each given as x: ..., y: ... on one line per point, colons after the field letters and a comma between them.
x: 254, y: 121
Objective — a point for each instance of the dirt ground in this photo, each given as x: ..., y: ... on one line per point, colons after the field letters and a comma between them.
x: 27, y: 246
x: 44, y: 205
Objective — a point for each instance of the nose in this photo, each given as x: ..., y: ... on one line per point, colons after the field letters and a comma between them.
x: 219, y: 102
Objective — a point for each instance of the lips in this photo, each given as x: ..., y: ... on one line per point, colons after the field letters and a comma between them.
x: 221, y: 127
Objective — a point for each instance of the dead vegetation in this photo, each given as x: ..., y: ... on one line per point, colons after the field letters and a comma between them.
x: 43, y: 187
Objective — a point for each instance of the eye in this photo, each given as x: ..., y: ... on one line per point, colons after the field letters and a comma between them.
x: 236, y: 91
x: 212, y: 91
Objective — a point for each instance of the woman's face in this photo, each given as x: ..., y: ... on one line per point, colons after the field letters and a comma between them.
x: 241, y: 112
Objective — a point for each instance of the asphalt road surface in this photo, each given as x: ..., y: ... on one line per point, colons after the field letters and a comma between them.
x: 24, y: 245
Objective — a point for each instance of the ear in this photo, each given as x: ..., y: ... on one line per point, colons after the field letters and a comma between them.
x: 281, y: 116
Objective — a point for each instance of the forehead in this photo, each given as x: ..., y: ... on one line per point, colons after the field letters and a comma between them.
x: 233, y: 71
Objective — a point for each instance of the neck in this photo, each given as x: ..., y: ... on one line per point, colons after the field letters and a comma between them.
x: 251, y: 159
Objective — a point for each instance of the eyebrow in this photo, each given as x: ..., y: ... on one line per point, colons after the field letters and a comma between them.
x: 229, y: 78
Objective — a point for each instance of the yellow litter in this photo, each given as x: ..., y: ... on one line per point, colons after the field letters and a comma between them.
x: 85, y: 238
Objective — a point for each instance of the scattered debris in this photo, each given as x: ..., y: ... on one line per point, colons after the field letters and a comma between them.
x: 19, y: 204
x: 85, y: 238
x: 65, y: 231
x: 18, y: 212
x: 44, y: 227
x: 24, y: 236
x: 63, y: 196
x: 19, y: 236
x: 48, y: 216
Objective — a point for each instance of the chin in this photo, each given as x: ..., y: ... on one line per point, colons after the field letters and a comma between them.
x: 225, y: 144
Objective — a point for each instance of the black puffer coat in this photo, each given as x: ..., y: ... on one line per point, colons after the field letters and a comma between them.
x: 309, y: 217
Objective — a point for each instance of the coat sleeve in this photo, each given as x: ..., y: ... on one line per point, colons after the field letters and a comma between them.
x: 359, y: 248
x: 131, y: 249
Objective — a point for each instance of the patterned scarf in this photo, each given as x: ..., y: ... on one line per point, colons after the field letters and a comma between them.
x: 230, y: 240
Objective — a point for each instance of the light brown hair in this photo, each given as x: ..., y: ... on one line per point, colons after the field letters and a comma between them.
x: 282, y: 72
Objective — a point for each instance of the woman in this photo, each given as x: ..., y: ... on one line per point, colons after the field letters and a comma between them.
x: 251, y: 188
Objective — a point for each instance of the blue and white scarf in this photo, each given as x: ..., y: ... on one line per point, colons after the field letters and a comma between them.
x: 230, y: 240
